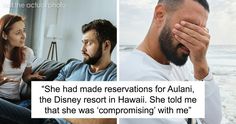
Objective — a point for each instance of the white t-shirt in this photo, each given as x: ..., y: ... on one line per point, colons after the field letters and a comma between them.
x: 138, y: 66
x: 10, y: 90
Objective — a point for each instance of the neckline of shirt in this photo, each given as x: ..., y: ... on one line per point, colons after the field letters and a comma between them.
x: 153, y: 62
x: 102, y: 71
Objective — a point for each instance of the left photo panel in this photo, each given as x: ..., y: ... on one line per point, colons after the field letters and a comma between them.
x: 54, y: 40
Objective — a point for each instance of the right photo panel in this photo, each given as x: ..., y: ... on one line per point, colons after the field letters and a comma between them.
x: 181, y: 40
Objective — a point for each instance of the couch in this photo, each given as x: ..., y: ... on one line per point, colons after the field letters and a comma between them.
x: 48, y: 68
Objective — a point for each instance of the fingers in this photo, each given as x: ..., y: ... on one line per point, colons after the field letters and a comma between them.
x: 206, y: 30
x: 184, y: 42
x: 192, y: 33
x: 12, y: 80
x: 6, y: 79
x: 3, y: 80
x: 198, y: 29
x: 37, y: 76
x: 41, y: 77
x: 186, y: 33
x: 41, y: 72
x: 184, y: 36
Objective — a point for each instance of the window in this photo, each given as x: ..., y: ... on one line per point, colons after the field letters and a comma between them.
x: 4, y: 7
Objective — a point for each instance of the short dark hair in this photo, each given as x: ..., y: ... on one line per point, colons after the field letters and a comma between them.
x: 104, y: 31
x: 173, y: 4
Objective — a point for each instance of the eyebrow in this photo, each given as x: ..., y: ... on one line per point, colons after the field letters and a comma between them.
x: 20, y: 29
x: 83, y: 40
x: 87, y: 40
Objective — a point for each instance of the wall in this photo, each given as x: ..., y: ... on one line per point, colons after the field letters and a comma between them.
x: 69, y: 20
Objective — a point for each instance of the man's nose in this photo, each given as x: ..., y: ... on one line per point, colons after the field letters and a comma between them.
x: 83, y: 49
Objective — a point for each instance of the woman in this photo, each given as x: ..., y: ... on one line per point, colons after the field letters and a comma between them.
x: 15, y: 57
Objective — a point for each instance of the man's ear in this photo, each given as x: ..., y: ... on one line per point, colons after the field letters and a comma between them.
x: 160, y: 13
x: 107, y: 45
x: 4, y: 35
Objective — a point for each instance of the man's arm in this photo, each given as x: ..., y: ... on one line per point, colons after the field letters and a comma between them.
x: 212, y: 101
x: 113, y: 75
x: 63, y: 72
x: 197, y: 39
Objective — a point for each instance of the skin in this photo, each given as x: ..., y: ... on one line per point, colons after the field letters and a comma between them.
x: 89, y: 48
x: 188, y: 27
x: 16, y: 38
x: 92, y: 121
x: 4, y: 80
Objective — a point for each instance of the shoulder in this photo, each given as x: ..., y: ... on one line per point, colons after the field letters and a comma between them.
x: 113, y: 68
x: 135, y: 61
x: 29, y: 54
x: 137, y: 65
x: 74, y: 64
x: 28, y: 51
x: 111, y: 72
x: 132, y: 65
x: 132, y: 58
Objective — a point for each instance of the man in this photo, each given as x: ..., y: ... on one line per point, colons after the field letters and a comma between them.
x: 99, y: 40
x: 178, y: 31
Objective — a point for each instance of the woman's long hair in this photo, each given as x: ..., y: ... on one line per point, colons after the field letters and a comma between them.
x: 17, y: 55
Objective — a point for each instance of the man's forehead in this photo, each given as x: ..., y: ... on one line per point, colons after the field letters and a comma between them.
x: 193, y: 12
x: 90, y: 33
x: 90, y: 38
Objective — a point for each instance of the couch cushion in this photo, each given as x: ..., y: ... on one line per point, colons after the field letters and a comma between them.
x: 48, y: 68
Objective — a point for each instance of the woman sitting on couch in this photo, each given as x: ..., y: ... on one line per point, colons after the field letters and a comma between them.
x: 15, y: 57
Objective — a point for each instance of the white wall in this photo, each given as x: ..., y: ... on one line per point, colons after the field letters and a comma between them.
x: 69, y: 22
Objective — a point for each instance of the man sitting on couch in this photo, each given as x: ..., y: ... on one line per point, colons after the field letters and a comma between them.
x: 99, y: 40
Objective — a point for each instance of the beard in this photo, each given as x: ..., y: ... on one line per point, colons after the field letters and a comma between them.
x: 169, y: 49
x: 94, y: 59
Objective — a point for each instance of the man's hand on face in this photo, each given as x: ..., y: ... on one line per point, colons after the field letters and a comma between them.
x: 196, y: 39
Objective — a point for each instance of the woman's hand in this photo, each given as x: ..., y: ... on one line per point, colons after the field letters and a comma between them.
x: 37, y: 76
x: 4, y: 79
x: 29, y: 76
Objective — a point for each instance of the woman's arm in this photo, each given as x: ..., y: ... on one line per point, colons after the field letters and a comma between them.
x: 4, y: 79
x: 28, y: 76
